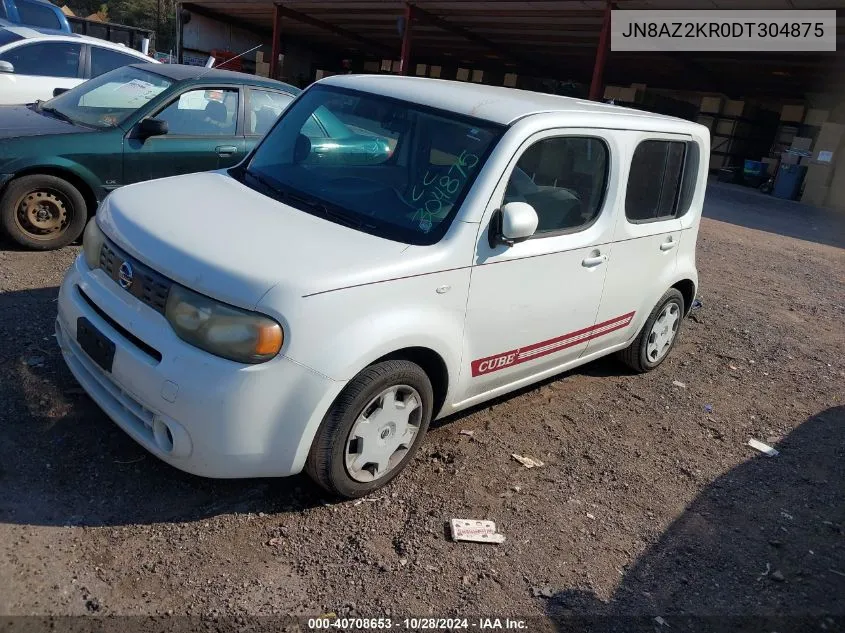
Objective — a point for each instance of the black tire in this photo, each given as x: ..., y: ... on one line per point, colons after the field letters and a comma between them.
x: 635, y: 355
x: 62, y: 204
x: 326, y: 463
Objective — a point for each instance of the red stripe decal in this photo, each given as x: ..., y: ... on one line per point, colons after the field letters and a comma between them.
x: 536, y: 350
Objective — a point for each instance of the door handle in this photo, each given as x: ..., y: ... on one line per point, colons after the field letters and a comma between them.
x: 225, y: 150
x: 668, y: 245
x: 592, y: 262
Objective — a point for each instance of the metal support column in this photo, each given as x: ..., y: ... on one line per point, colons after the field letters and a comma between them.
x: 405, y: 60
x: 596, y: 84
x: 277, y: 41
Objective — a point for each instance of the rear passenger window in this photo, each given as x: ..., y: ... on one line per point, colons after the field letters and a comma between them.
x: 564, y: 179
x: 104, y: 59
x: 661, y: 180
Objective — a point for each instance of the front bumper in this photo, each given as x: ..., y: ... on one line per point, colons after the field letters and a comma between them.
x: 200, y: 413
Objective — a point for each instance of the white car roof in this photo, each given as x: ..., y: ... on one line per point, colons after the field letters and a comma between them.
x: 492, y: 103
x: 32, y: 34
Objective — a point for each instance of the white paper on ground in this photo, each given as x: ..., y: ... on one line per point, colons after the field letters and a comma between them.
x: 476, y: 531
x: 763, y: 448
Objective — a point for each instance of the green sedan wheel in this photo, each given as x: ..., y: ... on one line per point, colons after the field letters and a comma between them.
x: 42, y: 212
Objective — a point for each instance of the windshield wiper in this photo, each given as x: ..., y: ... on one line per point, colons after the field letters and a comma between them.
x: 58, y: 114
x: 329, y: 213
x: 264, y: 182
x: 310, y: 204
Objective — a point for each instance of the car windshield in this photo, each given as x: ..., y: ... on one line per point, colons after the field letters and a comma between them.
x: 108, y: 100
x: 388, y: 167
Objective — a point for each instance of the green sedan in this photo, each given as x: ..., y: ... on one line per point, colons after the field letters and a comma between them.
x: 60, y: 158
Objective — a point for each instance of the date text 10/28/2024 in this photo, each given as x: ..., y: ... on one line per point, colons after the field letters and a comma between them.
x: 416, y: 624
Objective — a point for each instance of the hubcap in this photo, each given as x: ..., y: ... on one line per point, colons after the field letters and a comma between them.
x: 42, y: 214
x: 383, y: 433
x: 663, y: 332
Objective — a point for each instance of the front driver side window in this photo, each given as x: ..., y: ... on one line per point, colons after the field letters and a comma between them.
x: 564, y: 179
x: 203, y: 112
x: 45, y: 59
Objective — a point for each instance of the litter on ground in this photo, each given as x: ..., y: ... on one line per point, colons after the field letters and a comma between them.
x: 678, y: 383
x: 476, y: 531
x: 528, y: 462
x: 360, y: 501
x: 763, y: 448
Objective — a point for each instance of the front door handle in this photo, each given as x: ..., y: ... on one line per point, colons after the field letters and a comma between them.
x: 668, y: 245
x: 225, y: 150
x: 592, y: 262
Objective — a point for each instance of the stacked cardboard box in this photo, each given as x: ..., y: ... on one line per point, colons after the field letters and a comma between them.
x: 711, y: 105
x: 822, y: 164
x: 816, y: 117
x: 621, y: 93
x: 262, y: 68
x: 792, y: 113
x: 733, y: 108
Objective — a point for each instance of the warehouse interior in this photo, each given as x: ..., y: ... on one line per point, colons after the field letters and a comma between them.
x: 777, y: 120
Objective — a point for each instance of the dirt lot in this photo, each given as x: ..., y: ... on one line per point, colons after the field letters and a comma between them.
x: 650, y: 502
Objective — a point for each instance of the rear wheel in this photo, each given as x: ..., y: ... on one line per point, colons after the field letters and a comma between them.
x: 372, y: 430
x: 42, y: 212
x: 658, y: 335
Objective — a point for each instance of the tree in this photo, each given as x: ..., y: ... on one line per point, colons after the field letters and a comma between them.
x: 157, y: 15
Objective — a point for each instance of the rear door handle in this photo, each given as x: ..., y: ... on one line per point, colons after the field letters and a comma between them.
x: 668, y: 245
x: 592, y: 262
x: 225, y: 150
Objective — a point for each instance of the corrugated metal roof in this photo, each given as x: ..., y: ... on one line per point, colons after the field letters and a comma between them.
x: 547, y: 38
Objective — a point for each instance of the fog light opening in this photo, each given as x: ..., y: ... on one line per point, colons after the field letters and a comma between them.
x: 163, y: 436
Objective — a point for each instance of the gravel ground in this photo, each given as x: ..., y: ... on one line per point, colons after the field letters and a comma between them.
x: 649, y: 503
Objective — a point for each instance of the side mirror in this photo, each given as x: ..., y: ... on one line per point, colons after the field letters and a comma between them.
x: 58, y: 91
x: 6, y: 67
x: 514, y: 222
x: 301, y: 148
x: 150, y: 127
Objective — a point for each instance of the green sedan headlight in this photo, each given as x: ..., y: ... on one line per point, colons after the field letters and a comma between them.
x: 221, y: 329
x: 92, y: 243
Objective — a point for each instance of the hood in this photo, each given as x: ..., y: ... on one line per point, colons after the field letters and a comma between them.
x: 18, y: 120
x: 217, y: 236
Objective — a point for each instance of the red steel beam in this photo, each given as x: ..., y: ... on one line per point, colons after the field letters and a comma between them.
x: 277, y: 41
x: 405, y: 60
x: 601, y: 56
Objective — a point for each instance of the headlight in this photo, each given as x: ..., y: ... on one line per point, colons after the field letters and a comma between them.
x: 92, y: 243
x: 220, y: 329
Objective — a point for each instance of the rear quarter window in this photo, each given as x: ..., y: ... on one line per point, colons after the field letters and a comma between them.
x: 661, y: 182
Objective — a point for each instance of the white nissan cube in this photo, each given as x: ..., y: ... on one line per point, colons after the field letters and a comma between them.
x: 444, y: 243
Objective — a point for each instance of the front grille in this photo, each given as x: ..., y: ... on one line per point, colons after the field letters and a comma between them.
x: 147, y: 285
x: 149, y: 350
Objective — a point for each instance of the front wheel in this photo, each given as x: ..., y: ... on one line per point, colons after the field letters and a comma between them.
x: 658, y: 335
x: 372, y: 430
x: 42, y: 212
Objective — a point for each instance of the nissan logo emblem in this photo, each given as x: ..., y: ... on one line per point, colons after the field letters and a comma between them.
x: 124, y: 275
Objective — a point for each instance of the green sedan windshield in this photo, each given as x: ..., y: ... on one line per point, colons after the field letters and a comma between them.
x: 108, y: 100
